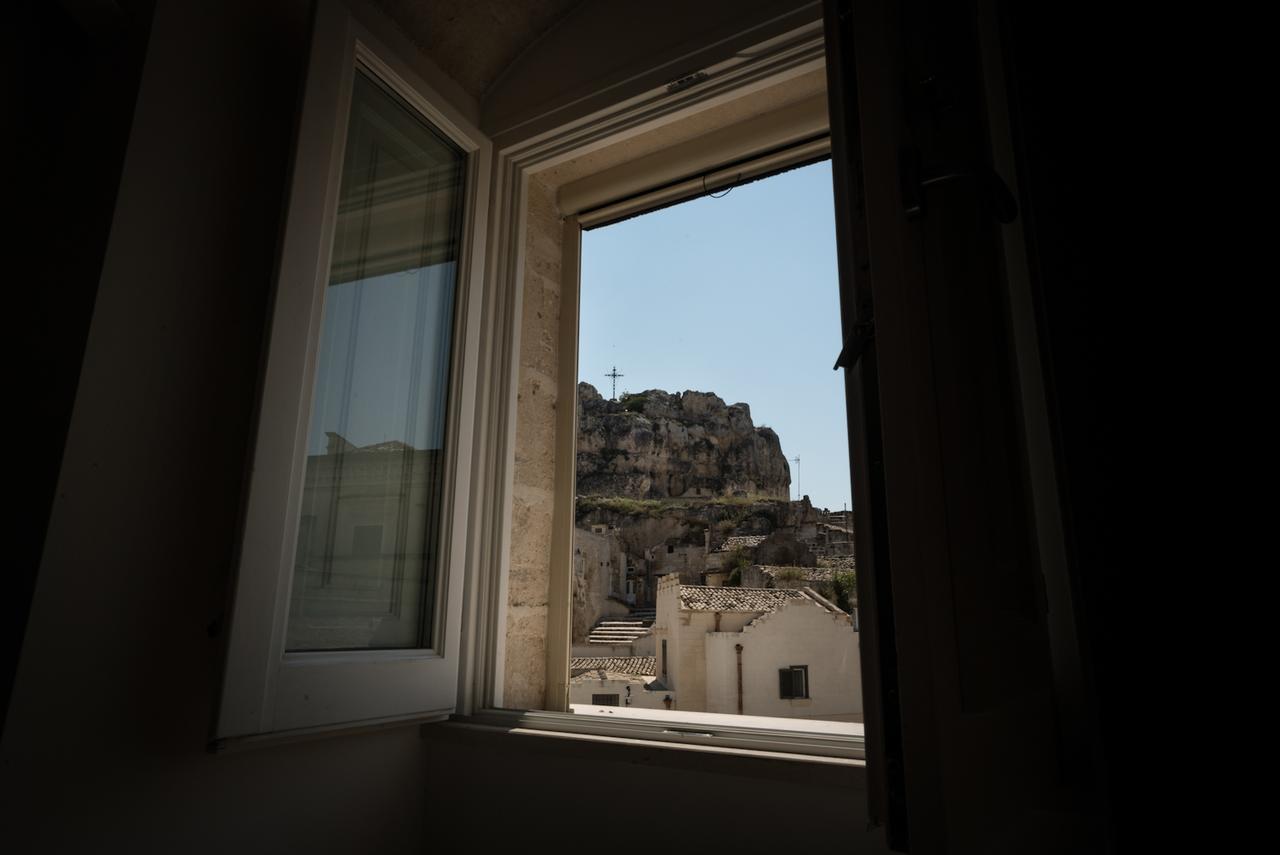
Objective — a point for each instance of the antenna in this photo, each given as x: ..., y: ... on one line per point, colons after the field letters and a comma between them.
x: 615, y: 375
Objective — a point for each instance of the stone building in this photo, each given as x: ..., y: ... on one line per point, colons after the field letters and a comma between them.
x: 602, y: 585
x: 618, y: 681
x: 771, y: 652
x: 687, y: 559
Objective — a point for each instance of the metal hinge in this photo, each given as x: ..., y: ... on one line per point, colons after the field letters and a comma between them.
x: 687, y: 81
x: 995, y: 194
x: 855, y: 344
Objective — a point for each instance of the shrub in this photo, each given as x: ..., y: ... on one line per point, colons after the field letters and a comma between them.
x: 789, y: 574
x: 845, y: 586
x: 619, y: 505
x: 738, y: 559
x: 633, y: 403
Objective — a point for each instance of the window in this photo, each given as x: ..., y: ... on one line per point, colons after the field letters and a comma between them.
x: 522, y: 677
x: 605, y: 700
x: 793, y: 682
x: 349, y: 586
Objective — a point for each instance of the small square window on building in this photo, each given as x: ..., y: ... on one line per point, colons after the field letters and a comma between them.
x: 793, y: 681
x: 604, y: 701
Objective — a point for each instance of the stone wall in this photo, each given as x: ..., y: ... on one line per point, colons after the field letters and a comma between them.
x: 524, y: 675
x: 599, y: 565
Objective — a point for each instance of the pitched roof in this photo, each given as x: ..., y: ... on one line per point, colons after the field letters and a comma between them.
x: 643, y: 666
x: 701, y: 598
x: 808, y: 574
x: 741, y: 541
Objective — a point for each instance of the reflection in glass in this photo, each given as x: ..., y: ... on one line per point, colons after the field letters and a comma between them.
x: 368, y: 535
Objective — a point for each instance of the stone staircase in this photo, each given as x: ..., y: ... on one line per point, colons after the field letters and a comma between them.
x: 622, y: 630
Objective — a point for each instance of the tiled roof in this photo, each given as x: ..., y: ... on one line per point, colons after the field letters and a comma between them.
x: 741, y: 541
x: 807, y: 574
x: 701, y: 598
x: 643, y: 666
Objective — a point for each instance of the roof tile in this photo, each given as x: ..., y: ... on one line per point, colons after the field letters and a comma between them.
x: 701, y: 598
x: 644, y: 666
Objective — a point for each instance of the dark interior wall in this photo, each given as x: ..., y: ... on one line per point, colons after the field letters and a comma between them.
x: 104, y: 745
x: 74, y: 80
x: 1078, y: 106
x: 510, y: 790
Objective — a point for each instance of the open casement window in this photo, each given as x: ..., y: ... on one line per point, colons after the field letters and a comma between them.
x: 349, y: 588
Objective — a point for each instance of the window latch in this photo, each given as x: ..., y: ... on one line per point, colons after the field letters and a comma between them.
x: 855, y: 344
x: 995, y: 194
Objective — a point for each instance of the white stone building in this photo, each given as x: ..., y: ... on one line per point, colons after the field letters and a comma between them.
x: 773, y: 652
x: 617, y: 681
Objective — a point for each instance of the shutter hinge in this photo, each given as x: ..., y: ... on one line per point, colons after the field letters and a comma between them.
x: 855, y: 344
x: 996, y: 197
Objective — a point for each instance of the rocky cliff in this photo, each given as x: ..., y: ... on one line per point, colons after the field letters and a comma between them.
x: 655, y: 445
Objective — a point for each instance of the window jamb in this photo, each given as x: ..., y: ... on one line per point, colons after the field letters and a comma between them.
x: 481, y: 687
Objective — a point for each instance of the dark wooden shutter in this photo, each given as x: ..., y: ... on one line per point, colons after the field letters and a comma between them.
x: 958, y: 675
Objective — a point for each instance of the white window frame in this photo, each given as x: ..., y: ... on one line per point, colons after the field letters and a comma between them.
x: 769, y: 146
x: 267, y: 691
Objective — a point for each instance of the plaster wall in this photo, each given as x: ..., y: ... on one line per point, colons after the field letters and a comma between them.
x: 689, y: 653
x: 530, y: 783
x: 642, y: 646
x: 801, y: 633
x: 685, y: 633
x: 581, y: 689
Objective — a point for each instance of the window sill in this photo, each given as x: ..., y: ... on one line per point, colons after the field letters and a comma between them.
x: 821, y: 744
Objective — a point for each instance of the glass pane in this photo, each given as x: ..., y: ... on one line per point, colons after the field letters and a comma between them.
x: 368, y: 537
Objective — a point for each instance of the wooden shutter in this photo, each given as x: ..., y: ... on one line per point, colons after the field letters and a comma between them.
x: 958, y: 677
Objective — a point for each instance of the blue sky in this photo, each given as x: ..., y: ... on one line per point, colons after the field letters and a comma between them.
x: 733, y: 295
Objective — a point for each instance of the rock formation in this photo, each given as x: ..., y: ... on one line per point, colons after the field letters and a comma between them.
x: 657, y: 445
